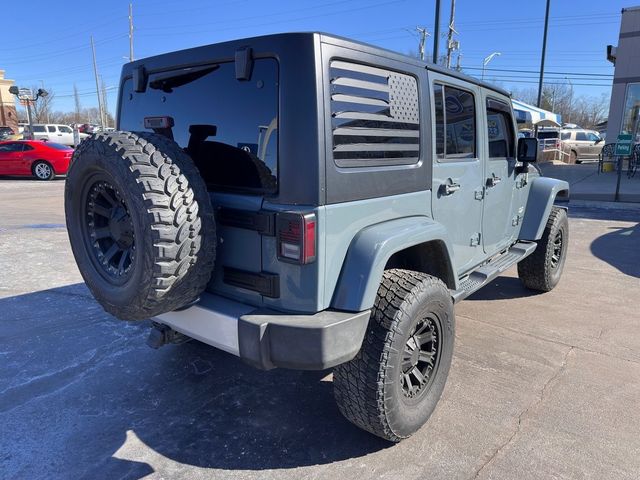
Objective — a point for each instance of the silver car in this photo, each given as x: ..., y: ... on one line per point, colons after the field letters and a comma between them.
x: 581, y: 144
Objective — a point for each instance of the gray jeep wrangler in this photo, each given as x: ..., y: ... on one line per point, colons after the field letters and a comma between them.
x: 305, y: 201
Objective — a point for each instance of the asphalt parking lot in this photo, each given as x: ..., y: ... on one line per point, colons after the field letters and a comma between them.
x: 542, y: 386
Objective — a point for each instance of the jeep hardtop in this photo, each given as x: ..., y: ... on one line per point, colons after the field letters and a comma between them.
x: 306, y: 201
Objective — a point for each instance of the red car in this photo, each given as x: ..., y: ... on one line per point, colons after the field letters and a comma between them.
x: 43, y: 160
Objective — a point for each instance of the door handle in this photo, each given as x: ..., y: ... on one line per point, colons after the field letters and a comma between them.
x: 492, y: 181
x: 449, y: 188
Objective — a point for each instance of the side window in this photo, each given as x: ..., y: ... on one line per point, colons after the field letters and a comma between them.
x: 375, y: 116
x: 39, y: 128
x: 455, y: 116
x: 11, y: 147
x: 64, y: 129
x: 51, y: 128
x: 26, y: 147
x: 581, y: 136
x: 565, y: 136
x: 500, y: 129
x: 593, y: 137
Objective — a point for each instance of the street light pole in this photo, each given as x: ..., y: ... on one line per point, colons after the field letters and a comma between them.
x: 487, y: 60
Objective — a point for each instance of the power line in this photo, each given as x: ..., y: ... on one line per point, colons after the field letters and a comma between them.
x: 537, y: 71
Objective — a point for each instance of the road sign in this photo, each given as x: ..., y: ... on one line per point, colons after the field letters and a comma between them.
x: 624, y: 138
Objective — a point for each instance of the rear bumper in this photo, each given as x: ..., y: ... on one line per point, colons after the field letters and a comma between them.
x: 267, y: 339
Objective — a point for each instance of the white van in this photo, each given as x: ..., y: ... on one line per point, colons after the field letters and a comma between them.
x: 55, y: 133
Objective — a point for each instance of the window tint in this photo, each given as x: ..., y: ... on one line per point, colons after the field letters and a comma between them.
x: 39, y: 128
x: 243, y: 153
x: 10, y: 147
x: 581, y: 136
x: 593, y: 137
x: 51, y: 128
x: 565, y: 136
x: 500, y: 130
x: 58, y: 146
x: 27, y: 147
x: 459, y: 121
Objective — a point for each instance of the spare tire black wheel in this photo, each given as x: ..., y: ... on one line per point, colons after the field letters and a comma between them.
x: 140, y: 223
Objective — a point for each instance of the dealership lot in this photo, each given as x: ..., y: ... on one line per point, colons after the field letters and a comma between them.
x: 542, y: 386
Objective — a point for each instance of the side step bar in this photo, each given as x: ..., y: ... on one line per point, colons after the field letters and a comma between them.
x: 487, y: 272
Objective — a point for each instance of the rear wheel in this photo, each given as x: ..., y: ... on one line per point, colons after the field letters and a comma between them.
x: 394, y: 383
x: 542, y: 269
x: 574, y: 157
x: 140, y: 223
x: 42, y: 170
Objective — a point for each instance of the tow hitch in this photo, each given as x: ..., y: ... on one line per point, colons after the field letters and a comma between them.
x: 161, y: 335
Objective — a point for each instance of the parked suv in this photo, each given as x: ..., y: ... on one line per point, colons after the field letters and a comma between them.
x: 581, y: 144
x: 62, y: 134
x: 305, y: 201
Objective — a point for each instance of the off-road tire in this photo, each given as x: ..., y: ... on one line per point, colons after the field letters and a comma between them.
x: 172, y: 221
x: 538, y: 271
x: 368, y: 389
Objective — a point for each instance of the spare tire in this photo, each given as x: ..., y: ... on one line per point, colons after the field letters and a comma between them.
x: 140, y: 223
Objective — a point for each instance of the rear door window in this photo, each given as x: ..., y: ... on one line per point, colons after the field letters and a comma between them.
x: 242, y: 154
x: 39, y: 128
x: 51, y: 128
x: 455, y: 116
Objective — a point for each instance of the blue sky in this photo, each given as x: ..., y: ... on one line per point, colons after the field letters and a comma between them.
x: 53, y: 46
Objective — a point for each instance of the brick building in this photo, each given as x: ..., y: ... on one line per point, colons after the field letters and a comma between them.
x: 8, y: 114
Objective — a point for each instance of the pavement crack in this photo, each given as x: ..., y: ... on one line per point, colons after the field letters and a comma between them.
x: 524, y: 413
x: 556, y: 342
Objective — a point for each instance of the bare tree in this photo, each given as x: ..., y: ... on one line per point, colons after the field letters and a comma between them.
x: 105, y: 108
x: 42, y: 107
x: 76, y: 98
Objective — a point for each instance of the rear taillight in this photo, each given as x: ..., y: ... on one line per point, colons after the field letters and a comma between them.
x: 296, y: 234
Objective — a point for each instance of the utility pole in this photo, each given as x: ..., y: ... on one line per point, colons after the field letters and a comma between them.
x: 105, y: 108
x: 450, y: 43
x: 130, y: 32
x: 544, y: 51
x: 458, y: 66
x: 423, y: 39
x: 436, y: 33
x: 95, y: 72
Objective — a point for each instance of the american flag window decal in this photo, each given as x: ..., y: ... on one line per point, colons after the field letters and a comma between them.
x: 375, y: 116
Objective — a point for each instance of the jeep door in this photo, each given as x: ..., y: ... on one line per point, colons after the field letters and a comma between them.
x: 499, y: 220
x: 457, y: 170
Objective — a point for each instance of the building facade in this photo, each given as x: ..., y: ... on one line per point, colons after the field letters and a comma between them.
x: 8, y: 114
x: 624, y: 109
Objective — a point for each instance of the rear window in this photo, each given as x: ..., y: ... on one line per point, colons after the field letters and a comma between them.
x: 243, y: 153
x: 57, y: 146
x: 548, y: 134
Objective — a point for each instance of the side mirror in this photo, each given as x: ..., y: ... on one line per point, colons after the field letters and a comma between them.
x: 528, y: 150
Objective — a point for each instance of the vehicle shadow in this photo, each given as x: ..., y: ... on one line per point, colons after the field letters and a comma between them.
x: 620, y: 248
x: 502, y: 288
x: 78, y: 384
x: 23, y: 178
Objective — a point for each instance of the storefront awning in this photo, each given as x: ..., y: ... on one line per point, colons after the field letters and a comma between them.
x: 526, y: 113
